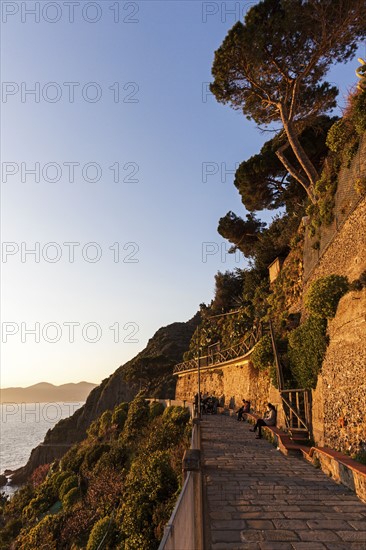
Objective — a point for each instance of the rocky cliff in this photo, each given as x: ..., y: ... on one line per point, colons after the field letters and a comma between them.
x: 150, y: 370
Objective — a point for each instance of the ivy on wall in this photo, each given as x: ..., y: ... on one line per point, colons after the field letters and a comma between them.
x: 306, y: 351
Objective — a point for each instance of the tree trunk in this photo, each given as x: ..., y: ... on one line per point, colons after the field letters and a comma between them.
x: 295, y: 173
x: 300, y: 154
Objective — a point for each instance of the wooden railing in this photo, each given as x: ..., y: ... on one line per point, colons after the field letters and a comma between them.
x: 297, y: 408
x: 222, y: 356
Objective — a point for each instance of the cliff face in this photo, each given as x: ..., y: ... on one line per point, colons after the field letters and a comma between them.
x: 150, y: 370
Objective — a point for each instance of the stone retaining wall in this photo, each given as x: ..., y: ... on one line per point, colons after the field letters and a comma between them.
x: 232, y: 382
x: 346, y: 200
x: 341, y: 390
x: 339, y: 401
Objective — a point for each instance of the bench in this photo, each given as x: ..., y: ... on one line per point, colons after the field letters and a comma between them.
x: 281, y: 439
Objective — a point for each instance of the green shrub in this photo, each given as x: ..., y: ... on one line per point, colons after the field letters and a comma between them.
x: 70, y: 498
x: 105, y: 422
x: 150, y: 482
x: 94, y: 453
x: 324, y: 294
x: 69, y: 483
x: 9, y: 532
x: 115, y: 458
x: 58, y: 478
x: 338, y: 135
x: 176, y: 415
x: 43, y: 535
x: 262, y: 356
x: 156, y: 409
x: 103, y: 530
x: 119, y: 415
x: 360, y: 283
x: 359, y: 112
x: 137, y: 418
x: 93, y: 430
x: 73, y: 458
x: 306, y: 351
x: 343, y: 139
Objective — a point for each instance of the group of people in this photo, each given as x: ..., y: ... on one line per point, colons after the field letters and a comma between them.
x: 269, y: 419
x: 209, y: 403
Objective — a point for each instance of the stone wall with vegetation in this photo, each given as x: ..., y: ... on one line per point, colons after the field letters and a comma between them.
x: 339, y: 401
x: 347, y: 253
x: 341, y: 390
x: 351, y: 184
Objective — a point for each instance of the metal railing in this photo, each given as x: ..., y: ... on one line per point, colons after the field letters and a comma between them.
x: 184, y: 531
x: 222, y: 356
x: 296, y: 403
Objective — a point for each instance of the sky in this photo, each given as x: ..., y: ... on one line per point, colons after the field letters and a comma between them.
x: 117, y: 164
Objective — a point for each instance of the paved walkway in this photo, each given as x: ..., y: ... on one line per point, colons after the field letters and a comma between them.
x: 257, y: 498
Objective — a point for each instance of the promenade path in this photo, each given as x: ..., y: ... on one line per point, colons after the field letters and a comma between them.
x: 256, y: 498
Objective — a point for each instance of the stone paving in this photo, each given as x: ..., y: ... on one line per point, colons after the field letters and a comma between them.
x: 256, y: 498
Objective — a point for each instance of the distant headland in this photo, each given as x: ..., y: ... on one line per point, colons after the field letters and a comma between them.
x: 45, y: 392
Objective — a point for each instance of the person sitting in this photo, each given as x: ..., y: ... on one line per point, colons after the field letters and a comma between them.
x: 244, y: 409
x: 269, y: 420
x: 204, y: 403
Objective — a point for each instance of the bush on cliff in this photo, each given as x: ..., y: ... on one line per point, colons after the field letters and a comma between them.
x: 132, y: 474
x: 306, y: 351
x: 324, y: 294
x: 102, y: 534
x: 150, y: 481
x: 137, y: 418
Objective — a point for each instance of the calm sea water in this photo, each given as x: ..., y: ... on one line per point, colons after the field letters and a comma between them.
x: 24, y: 425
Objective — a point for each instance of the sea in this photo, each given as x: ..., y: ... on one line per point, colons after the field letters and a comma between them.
x: 23, y: 426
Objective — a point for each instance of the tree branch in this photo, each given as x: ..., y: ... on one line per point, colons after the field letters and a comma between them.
x: 295, y: 173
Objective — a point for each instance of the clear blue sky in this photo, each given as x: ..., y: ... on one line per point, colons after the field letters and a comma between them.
x: 162, y: 130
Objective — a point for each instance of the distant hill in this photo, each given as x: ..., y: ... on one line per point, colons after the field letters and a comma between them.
x: 46, y: 393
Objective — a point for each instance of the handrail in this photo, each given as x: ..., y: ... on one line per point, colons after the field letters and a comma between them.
x: 222, y: 356
x: 280, y: 379
x: 169, y: 528
x: 184, y: 531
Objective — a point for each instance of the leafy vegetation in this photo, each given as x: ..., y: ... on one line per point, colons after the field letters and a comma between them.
x: 264, y: 182
x: 307, y: 346
x: 272, y: 67
x: 117, y: 486
x: 324, y: 294
x: 262, y: 356
x: 343, y: 140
